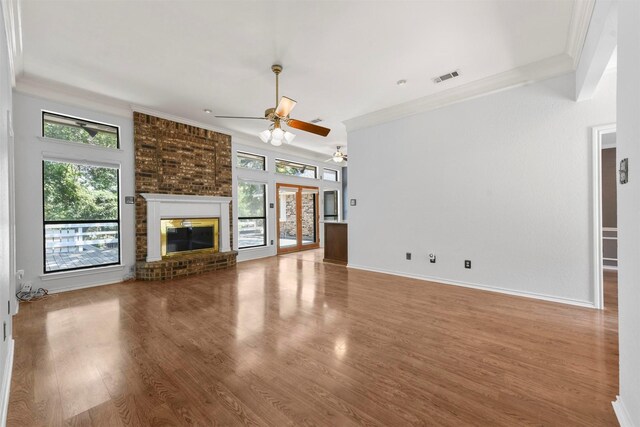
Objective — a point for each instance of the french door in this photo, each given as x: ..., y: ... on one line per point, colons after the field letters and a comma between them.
x: 297, y: 218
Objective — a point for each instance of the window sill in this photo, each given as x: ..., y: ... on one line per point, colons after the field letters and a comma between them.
x: 67, y: 143
x: 240, y: 168
x: 83, y: 272
x: 253, y: 248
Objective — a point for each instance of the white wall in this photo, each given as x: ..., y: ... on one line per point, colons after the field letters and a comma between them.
x: 503, y: 180
x: 31, y: 149
x: 628, y: 140
x: 7, y: 267
x: 270, y: 178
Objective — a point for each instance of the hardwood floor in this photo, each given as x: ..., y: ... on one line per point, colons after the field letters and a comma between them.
x: 292, y: 341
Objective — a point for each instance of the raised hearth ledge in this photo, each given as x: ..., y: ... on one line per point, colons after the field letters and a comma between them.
x: 161, y: 206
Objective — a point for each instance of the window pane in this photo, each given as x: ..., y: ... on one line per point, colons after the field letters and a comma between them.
x: 251, y: 232
x: 331, y: 205
x: 78, y: 130
x: 81, y: 226
x: 80, y: 245
x: 286, y: 167
x: 251, y: 199
x: 79, y: 192
x: 250, y: 161
x: 330, y: 175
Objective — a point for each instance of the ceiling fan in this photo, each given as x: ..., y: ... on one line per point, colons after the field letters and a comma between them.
x: 338, y: 156
x: 280, y: 114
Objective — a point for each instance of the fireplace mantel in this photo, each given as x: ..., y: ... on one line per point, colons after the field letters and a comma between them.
x: 160, y: 206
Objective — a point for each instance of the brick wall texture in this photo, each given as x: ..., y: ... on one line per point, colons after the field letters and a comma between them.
x: 175, y: 158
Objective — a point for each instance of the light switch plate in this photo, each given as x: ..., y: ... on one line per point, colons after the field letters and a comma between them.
x: 129, y: 200
x: 352, y: 202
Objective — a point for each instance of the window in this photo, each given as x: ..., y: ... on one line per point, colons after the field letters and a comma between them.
x: 286, y: 167
x: 252, y: 217
x: 79, y: 130
x: 81, y: 216
x: 250, y: 161
x: 331, y: 205
x: 330, y: 175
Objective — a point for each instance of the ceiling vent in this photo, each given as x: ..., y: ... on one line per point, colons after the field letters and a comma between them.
x: 316, y: 120
x: 447, y: 76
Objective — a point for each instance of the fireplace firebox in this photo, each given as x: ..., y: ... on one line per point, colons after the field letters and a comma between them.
x: 188, y: 235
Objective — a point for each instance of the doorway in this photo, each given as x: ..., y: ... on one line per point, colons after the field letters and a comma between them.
x: 605, y: 179
x: 297, y: 218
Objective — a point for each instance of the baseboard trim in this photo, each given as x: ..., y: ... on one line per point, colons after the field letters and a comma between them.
x: 84, y: 286
x: 6, y: 384
x: 621, y: 412
x: 578, y: 303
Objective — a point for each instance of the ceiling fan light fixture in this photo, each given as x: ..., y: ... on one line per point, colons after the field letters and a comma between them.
x: 277, y: 133
x: 265, y: 135
x: 276, y: 142
x: 288, y: 136
x: 337, y: 159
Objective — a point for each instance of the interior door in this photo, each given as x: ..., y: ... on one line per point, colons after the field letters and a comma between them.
x: 297, y: 218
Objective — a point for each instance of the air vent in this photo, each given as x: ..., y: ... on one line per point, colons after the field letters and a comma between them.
x: 317, y: 120
x: 447, y: 76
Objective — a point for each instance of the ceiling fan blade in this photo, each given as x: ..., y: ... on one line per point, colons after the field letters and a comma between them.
x: 240, y: 117
x: 285, y: 106
x: 308, y: 127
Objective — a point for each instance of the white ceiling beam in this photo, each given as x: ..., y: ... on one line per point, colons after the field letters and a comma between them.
x: 599, y: 45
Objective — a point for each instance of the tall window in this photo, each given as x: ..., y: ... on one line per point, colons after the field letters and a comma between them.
x: 331, y: 205
x: 79, y: 130
x: 252, y: 217
x: 81, y: 216
x: 250, y: 161
x: 287, y: 167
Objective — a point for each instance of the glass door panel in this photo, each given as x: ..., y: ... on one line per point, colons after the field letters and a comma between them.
x: 297, y: 217
x: 309, y: 215
x: 287, y: 217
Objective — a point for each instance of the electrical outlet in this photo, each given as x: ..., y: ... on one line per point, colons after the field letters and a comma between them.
x: 20, y: 275
x: 408, y: 256
x: 467, y: 263
x: 26, y: 287
x: 272, y: 243
x: 432, y: 258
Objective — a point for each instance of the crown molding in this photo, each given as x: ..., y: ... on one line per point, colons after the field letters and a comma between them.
x: 527, y: 74
x: 184, y: 120
x: 58, y: 92
x: 530, y: 73
x: 580, y: 20
x: 11, y: 14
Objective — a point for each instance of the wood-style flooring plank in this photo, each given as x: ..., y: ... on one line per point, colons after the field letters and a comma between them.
x: 290, y: 340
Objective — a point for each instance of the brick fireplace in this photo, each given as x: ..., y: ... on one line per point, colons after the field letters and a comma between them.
x: 186, y: 169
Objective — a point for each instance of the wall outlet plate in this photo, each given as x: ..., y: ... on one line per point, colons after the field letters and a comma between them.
x: 271, y: 205
x: 129, y: 200
x: 432, y: 258
x: 26, y: 288
x: 467, y: 263
x: 352, y: 202
x: 408, y: 256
